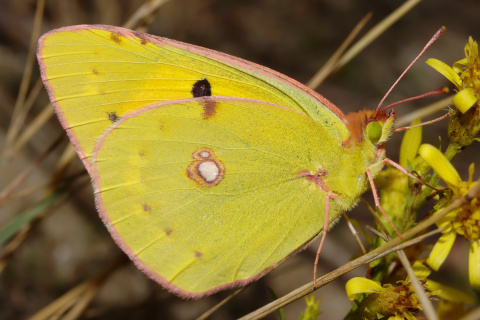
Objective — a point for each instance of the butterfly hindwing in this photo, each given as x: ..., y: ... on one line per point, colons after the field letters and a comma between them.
x: 200, y: 204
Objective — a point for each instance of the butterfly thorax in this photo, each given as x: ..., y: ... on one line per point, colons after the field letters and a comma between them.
x: 363, y: 149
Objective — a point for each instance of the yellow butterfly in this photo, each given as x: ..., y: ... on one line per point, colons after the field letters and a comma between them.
x: 208, y: 170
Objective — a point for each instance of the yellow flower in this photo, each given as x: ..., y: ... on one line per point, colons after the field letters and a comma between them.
x: 440, y: 164
x: 410, y: 143
x: 464, y: 221
x: 465, y: 75
x: 400, y: 301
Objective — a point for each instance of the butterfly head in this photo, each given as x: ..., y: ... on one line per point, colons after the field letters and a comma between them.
x: 380, y: 126
x: 369, y: 125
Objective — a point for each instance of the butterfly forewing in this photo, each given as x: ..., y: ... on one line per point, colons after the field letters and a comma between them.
x: 96, y: 74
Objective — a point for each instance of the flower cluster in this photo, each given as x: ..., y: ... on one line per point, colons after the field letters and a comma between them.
x: 464, y: 128
x: 464, y: 221
x: 465, y: 75
x: 398, y: 301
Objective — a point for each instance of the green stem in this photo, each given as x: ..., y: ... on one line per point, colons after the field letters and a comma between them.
x: 452, y: 150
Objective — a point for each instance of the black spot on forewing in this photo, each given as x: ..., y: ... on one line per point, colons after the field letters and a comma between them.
x: 201, y: 88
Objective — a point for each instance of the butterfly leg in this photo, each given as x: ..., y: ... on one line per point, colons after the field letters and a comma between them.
x: 377, y: 203
x: 375, y: 194
x: 317, y: 179
x: 325, y: 229
x: 403, y: 170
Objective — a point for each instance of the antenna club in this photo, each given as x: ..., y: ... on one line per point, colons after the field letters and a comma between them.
x: 441, y: 31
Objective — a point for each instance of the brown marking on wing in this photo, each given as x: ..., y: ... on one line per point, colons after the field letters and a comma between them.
x: 115, y: 38
x: 146, y: 207
x: 141, y: 36
x: 209, y: 108
x: 112, y: 116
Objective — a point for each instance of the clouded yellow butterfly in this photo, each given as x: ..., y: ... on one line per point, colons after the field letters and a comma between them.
x: 208, y: 170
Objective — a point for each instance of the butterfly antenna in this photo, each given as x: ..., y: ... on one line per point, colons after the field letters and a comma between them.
x: 423, y: 123
x: 435, y: 92
x: 429, y: 43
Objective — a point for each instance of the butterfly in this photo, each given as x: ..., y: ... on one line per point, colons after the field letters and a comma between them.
x: 208, y: 170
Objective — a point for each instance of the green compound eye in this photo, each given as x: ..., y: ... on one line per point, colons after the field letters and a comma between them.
x: 374, y: 131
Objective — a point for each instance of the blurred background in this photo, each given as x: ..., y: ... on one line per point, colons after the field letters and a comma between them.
x: 70, y: 245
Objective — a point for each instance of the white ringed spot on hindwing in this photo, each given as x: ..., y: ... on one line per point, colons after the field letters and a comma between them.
x: 206, y: 170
